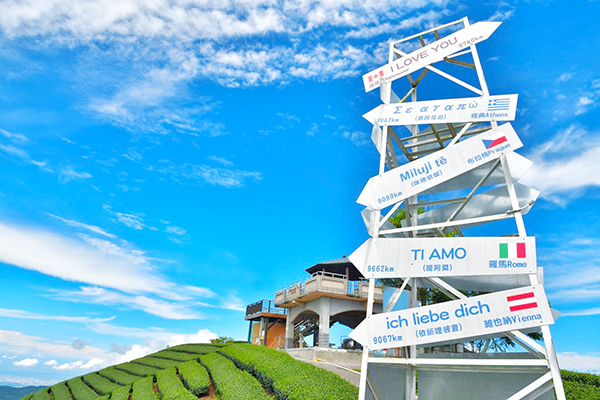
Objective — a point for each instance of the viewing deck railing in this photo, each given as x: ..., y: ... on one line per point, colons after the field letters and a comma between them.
x: 264, y: 306
x: 328, y: 283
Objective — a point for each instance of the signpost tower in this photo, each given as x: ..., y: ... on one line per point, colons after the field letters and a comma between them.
x: 460, y: 171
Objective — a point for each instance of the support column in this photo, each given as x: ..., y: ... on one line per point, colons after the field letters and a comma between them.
x: 289, y: 331
x: 324, y: 320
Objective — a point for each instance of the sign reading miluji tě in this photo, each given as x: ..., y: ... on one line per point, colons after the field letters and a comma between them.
x: 493, y: 313
x: 470, y: 109
x: 426, y: 172
x: 429, y: 54
x: 445, y: 257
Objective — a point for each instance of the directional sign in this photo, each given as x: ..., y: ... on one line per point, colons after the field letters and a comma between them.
x: 445, y: 257
x: 429, y: 54
x: 488, y: 314
x: 472, y: 109
x: 426, y: 172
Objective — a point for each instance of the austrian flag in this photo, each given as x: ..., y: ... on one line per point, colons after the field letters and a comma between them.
x: 522, y: 301
x: 512, y: 250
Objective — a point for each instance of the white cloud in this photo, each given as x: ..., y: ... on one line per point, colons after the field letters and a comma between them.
x: 565, y: 165
x: 51, y: 363
x: 14, y: 151
x: 565, y: 77
x: 226, y: 177
x: 13, y: 136
x: 21, y: 314
x: 27, y: 362
x: 175, y: 230
x: 68, y: 174
x: 221, y: 160
x: 582, y: 104
x: 579, y: 362
x: 93, y: 261
x: 130, y: 220
x: 77, y: 224
x: 504, y: 12
x: 158, y: 307
x: 579, y: 313
x: 357, y: 137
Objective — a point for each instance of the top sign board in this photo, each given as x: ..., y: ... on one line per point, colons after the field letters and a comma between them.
x: 470, y: 109
x: 429, y: 54
x: 485, y: 315
x: 426, y: 172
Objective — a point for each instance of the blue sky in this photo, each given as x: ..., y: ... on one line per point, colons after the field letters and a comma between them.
x: 165, y: 163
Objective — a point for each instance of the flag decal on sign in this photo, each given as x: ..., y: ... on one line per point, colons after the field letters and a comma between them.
x: 495, y: 142
x: 520, y: 302
x: 512, y: 250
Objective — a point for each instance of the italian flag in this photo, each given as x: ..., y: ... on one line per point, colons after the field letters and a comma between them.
x: 512, y: 250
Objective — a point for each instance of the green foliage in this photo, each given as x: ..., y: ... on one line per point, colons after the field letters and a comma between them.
x: 231, y: 382
x: 177, y: 355
x: 579, y: 391
x: 143, y: 389
x: 81, y: 391
x: 138, y: 369
x: 41, y: 395
x: 289, y: 378
x: 195, y: 377
x: 122, y: 377
x: 581, y: 377
x: 196, y: 348
x: 100, y: 384
x: 122, y: 393
x: 156, y: 362
x: 222, y: 339
x: 171, y: 387
x: 60, y: 392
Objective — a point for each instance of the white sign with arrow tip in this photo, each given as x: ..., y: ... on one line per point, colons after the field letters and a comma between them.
x: 429, y: 54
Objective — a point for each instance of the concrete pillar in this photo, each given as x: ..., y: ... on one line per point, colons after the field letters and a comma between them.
x: 289, y: 331
x: 324, y: 320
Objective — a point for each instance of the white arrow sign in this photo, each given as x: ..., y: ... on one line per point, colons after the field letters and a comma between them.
x: 445, y: 257
x: 429, y: 54
x: 426, y: 172
x: 488, y: 314
x: 471, y: 109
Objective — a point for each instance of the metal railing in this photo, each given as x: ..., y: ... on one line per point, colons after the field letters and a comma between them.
x: 264, y: 306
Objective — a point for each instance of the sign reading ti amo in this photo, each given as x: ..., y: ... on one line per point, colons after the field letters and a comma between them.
x: 473, y: 109
x: 429, y: 54
x: 426, y: 172
x: 445, y: 257
x: 508, y: 310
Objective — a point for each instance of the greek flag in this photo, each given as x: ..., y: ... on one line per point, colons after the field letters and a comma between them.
x: 502, y: 104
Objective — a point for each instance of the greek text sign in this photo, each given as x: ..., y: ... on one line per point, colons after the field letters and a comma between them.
x: 429, y: 54
x: 426, y: 172
x: 445, y: 257
x: 488, y: 314
x: 474, y: 109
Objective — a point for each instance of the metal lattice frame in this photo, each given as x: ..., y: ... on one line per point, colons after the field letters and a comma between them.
x: 418, y: 144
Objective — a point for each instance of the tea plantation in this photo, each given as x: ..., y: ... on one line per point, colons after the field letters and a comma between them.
x: 191, y: 371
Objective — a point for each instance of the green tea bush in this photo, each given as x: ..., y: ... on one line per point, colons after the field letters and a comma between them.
x: 580, y: 391
x: 112, y: 373
x: 196, y: 348
x: 177, y: 355
x: 121, y: 393
x: 99, y: 383
x: 171, y: 386
x: 195, y: 377
x: 60, y: 392
x: 156, y: 362
x: 41, y: 395
x: 137, y: 369
x: 231, y: 382
x: 143, y: 389
x: 289, y: 378
x: 81, y: 391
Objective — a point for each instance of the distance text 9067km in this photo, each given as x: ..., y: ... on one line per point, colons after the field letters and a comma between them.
x: 387, y: 339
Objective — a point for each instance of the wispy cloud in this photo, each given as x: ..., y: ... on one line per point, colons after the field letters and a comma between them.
x: 565, y: 165
x: 216, y: 176
x: 221, y: 160
x: 565, y: 77
x: 81, y: 225
x: 22, y: 314
x: 153, y: 306
x: 579, y: 362
x: 13, y: 136
x: 130, y: 220
x: 67, y: 174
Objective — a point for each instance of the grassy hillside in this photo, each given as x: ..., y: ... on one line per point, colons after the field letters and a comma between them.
x: 192, y: 371
x: 232, y: 372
